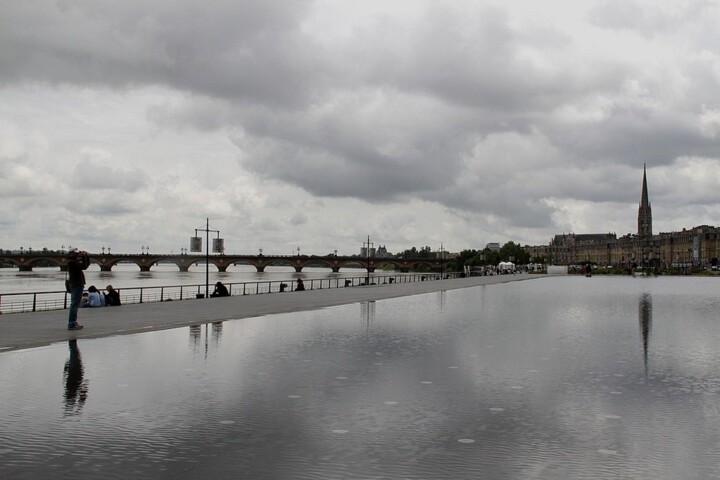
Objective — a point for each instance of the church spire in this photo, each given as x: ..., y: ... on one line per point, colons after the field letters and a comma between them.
x: 644, y: 212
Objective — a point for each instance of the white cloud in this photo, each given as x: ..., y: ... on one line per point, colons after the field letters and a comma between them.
x: 322, y: 122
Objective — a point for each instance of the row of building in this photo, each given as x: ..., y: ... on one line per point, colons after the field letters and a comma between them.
x: 697, y: 247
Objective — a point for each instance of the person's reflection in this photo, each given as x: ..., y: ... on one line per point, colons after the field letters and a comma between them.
x: 645, y: 318
x: 217, y: 328
x: 76, y: 388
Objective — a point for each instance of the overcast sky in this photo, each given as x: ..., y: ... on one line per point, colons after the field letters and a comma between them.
x: 314, y: 124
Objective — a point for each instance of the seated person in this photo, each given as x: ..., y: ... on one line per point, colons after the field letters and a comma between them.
x: 94, y: 298
x: 220, y: 290
x: 112, y: 297
x: 300, y: 285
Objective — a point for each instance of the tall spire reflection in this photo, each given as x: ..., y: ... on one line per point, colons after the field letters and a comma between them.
x: 76, y: 387
x: 645, y: 319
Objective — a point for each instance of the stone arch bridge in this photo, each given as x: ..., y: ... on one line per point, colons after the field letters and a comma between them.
x: 25, y: 262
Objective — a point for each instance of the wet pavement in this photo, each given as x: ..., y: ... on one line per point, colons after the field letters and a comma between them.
x: 24, y: 330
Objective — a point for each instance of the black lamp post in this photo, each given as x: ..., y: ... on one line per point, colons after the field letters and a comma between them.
x: 367, y: 246
x: 193, y: 246
x: 442, y: 254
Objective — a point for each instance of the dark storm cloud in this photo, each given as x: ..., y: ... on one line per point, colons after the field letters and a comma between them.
x: 375, y: 153
x: 248, y: 51
x: 634, y: 136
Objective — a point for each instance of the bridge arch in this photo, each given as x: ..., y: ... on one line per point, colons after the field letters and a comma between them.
x: 26, y: 264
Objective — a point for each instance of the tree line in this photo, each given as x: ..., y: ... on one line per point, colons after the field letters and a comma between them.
x: 510, y: 252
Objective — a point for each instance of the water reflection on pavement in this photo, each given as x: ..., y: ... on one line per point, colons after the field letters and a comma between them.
x: 76, y: 387
x: 544, y: 379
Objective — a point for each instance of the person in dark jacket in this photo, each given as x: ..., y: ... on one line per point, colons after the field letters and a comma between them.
x: 112, y: 297
x: 220, y: 290
x: 77, y: 261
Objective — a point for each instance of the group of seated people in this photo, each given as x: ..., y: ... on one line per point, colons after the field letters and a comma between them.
x: 94, y: 298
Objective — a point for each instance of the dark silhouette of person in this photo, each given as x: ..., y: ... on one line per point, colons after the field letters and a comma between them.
x: 76, y: 388
x: 220, y: 290
x: 300, y: 285
x: 76, y: 263
x: 112, y: 297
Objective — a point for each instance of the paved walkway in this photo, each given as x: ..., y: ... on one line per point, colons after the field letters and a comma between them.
x: 27, y: 330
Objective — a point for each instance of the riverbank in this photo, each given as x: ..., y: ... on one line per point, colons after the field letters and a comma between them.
x: 29, y: 330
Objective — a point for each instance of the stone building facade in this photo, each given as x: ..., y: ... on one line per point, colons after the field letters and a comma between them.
x: 695, y: 247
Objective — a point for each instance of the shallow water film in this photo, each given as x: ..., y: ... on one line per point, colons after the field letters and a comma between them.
x: 552, y: 378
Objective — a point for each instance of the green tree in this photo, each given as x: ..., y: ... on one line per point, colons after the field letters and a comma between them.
x: 466, y: 257
x: 513, y: 252
x: 490, y: 257
x: 424, y: 252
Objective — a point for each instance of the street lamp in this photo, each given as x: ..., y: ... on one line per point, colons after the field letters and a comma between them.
x: 442, y: 254
x: 196, y: 246
x: 298, y: 250
x: 367, y: 246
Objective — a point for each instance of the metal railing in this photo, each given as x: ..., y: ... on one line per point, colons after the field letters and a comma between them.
x: 59, y: 299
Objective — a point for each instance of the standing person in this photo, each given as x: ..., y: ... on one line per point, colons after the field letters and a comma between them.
x: 77, y: 262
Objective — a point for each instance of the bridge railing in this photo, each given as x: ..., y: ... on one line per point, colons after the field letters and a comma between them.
x: 59, y: 299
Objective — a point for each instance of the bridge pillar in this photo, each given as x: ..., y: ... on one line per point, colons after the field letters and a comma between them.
x: 184, y: 268
x: 222, y: 268
x: 106, y: 268
x: 371, y: 269
x: 335, y: 269
x: 25, y: 268
x: 260, y: 268
x: 404, y: 269
x: 145, y: 268
x: 298, y: 269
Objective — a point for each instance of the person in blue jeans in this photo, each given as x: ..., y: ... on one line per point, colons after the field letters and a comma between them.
x: 77, y: 262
